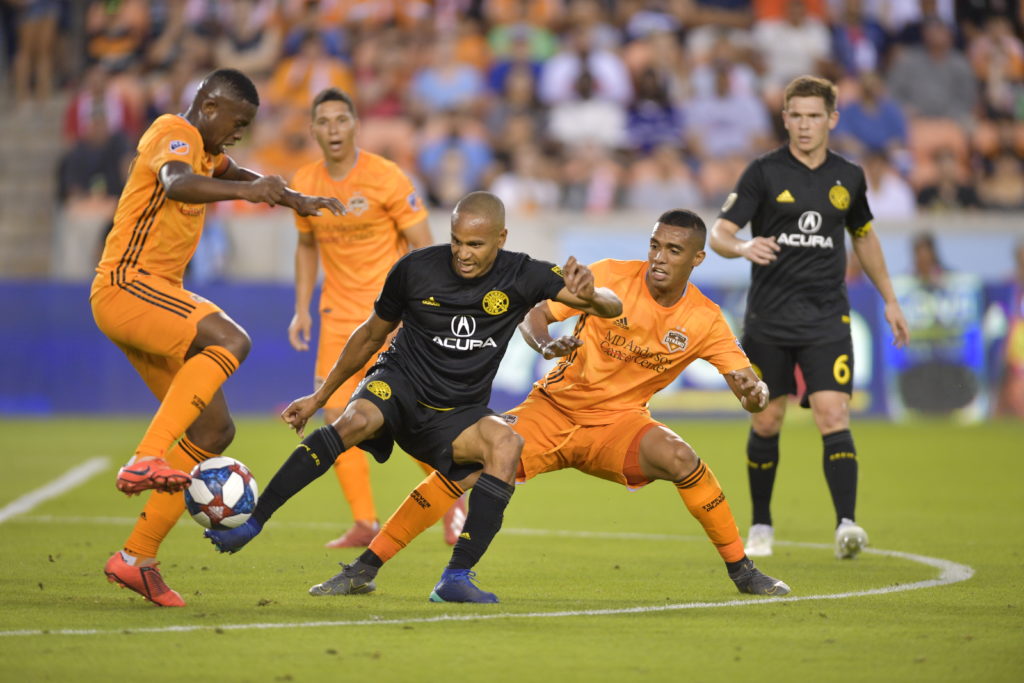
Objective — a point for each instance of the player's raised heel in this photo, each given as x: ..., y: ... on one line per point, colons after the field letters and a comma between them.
x: 233, y: 540
x: 750, y: 579
x: 358, y: 536
x: 153, y: 473
x: 454, y: 520
x: 456, y: 585
x: 145, y: 580
x: 353, y: 579
x: 850, y: 539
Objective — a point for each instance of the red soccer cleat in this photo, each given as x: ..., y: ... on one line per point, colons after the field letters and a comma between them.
x: 359, y: 536
x: 454, y: 520
x: 146, y: 581
x: 153, y: 473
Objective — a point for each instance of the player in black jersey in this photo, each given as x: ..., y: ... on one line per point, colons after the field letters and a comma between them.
x: 800, y: 200
x: 458, y: 305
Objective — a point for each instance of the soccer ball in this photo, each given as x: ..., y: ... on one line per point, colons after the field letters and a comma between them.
x: 222, y: 494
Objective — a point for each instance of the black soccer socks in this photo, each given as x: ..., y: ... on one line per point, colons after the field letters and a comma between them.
x: 762, y: 464
x: 309, y: 460
x: 487, y: 503
x: 840, y: 461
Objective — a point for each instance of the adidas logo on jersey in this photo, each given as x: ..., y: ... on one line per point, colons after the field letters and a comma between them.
x: 785, y: 197
x: 623, y: 323
x: 430, y: 301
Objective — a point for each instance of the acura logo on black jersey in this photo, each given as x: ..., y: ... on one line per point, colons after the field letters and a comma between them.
x: 809, y: 222
x: 463, y: 326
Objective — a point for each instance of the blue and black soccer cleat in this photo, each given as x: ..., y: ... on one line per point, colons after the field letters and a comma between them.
x: 456, y: 585
x: 233, y: 540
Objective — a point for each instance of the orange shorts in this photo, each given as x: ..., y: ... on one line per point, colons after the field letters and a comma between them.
x: 334, y: 335
x: 152, y: 321
x: 554, y: 442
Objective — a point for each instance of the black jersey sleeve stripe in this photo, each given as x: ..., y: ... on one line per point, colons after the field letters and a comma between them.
x: 153, y: 201
x: 148, y: 300
x: 133, y: 286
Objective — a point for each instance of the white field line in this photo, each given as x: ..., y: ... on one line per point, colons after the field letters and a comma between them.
x: 949, y: 572
x: 59, y: 486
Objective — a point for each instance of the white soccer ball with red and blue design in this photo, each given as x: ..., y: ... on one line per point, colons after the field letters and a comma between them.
x: 222, y: 494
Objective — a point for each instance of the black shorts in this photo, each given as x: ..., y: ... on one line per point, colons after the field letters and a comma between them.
x: 424, y: 432
x: 825, y: 367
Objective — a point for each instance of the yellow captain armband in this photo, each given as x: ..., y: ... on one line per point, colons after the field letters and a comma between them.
x: 861, y: 231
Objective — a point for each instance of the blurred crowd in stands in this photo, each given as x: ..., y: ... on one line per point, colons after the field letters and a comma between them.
x: 586, y: 105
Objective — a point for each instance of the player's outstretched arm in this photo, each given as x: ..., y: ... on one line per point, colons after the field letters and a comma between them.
x: 364, y: 342
x: 580, y: 292
x: 184, y: 185
x: 534, y: 329
x: 751, y: 391
x: 759, y: 250
x: 304, y: 205
x: 869, y: 252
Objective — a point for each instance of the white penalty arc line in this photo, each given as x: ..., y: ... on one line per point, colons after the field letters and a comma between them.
x: 949, y: 573
x: 76, y: 476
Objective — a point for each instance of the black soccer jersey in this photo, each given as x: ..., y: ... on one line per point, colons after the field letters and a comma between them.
x: 455, y: 330
x: 801, y: 296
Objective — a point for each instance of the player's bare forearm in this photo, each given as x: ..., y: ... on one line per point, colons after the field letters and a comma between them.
x: 604, y: 304
x: 534, y: 330
x: 364, y: 342
x: 723, y: 238
x: 758, y: 249
x: 182, y: 184
x: 306, y: 265
x: 306, y: 262
x: 869, y: 251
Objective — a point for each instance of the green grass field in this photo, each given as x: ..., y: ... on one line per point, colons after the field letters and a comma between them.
x: 597, y: 583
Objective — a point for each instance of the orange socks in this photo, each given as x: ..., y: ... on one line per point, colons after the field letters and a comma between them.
x: 191, y: 389
x: 162, y: 510
x: 703, y: 497
x: 419, y: 511
x: 353, y: 472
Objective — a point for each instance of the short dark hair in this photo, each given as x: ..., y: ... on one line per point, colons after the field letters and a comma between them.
x: 236, y: 82
x: 684, y: 218
x: 811, y: 86
x: 333, y: 95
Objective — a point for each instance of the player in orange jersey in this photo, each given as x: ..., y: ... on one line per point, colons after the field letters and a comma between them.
x: 384, y: 220
x: 590, y: 412
x: 182, y: 345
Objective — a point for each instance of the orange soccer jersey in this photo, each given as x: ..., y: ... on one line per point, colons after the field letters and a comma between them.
x: 358, y: 249
x: 640, y: 353
x: 152, y: 233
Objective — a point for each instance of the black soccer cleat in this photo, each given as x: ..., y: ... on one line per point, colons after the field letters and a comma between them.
x: 353, y: 579
x: 750, y: 579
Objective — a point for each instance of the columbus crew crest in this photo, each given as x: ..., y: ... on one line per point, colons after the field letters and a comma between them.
x: 381, y: 390
x: 495, y: 302
x: 840, y: 197
x: 675, y: 340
